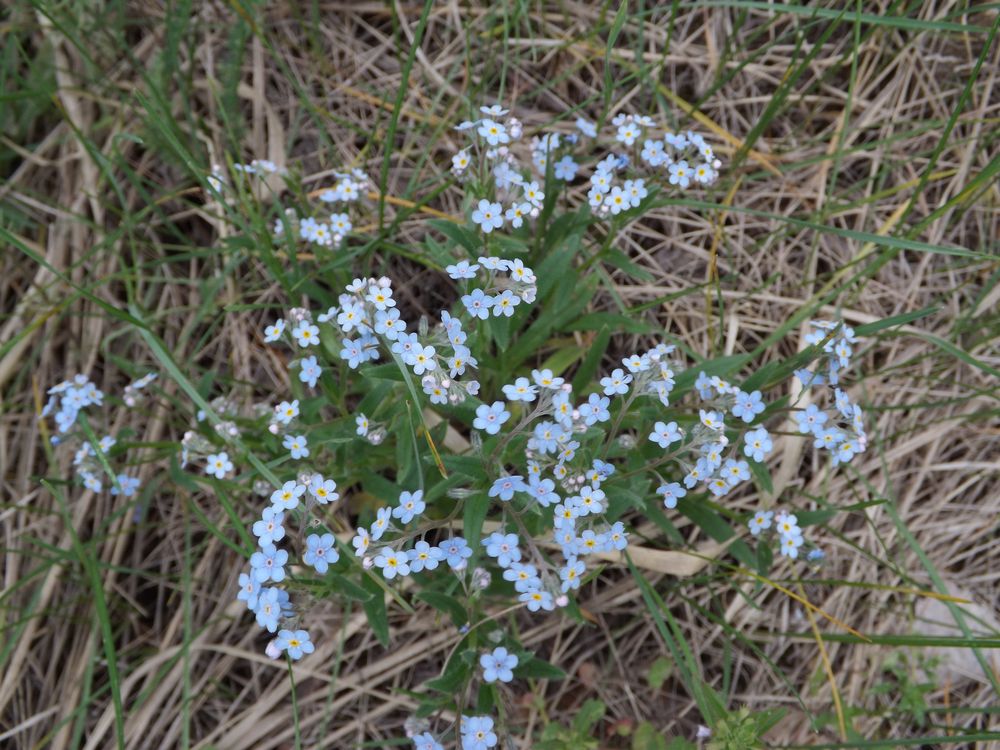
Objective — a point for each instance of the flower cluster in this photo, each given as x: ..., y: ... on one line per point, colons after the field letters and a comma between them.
x: 553, y: 470
x: 841, y: 430
x: 684, y: 157
x: 66, y: 403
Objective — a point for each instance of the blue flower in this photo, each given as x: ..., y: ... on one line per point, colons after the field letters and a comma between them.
x: 477, y: 733
x: 543, y: 490
x: 571, y: 574
x: 505, y: 487
x: 423, y: 359
x: 295, y: 642
x: 524, y: 576
x: 286, y: 412
x: 664, y: 434
x: 521, y: 389
x: 287, y: 498
x: 410, y: 505
x: 306, y: 334
x: 757, y: 444
x: 249, y: 590
x: 456, y: 551
x: 747, y: 406
x: 671, y: 493
x: 565, y: 169
x: 268, y: 609
x: 310, y: 371
x: 392, y: 563
x: 537, y: 599
x: 426, y: 741
x: 296, y: 445
x: 490, y: 418
x: 498, y: 665
x: 503, y: 547
x: 462, y: 270
x: 325, y: 491
x: 128, y: 485
x: 218, y: 465
x: 320, y: 552
x: 478, y: 303
x: 424, y: 557
x: 811, y: 419
x: 273, y: 332
x: 488, y: 216
x: 596, y: 409
x: 735, y: 472
x: 617, y: 536
x: 269, y: 564
x: 353, y: 353
x: 616, y: 383
x: 761, y: 520
x: 269, y: 529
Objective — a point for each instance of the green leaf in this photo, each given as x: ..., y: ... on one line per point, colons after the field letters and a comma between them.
x: 378, y: 617
x: 539, y: 669
x: 454, y: 676
x: 659, y: 671
x: 447, y: 604
x: 588, y: 715
x: 473, y: 515
x: 647, y: 737
x: 460, y: 235
x: 348, y: 588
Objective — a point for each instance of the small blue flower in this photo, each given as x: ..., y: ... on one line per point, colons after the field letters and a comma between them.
x: 306, y: 334
x: 218, y: 465
x: 426, y: 741
x: 296, y: 445
x: 761, y: 520
x: 478, y: 303
x: 320, y: 552
x: 524, y: 576
x: 462, y: 270
x: 747, y: 406
x: 596, y: 409
x: 505, y: 487
x: 665, y: 434
x: 810, y: 419
x: 456, y: 551
x: 249, y: 590
x: 310, y: 371
x: 295, y: 642
x: 424, y: 557
x: 287, y: 498
x: 269, y: 564
x: 757, y: 444
x: 571, y: 574
x: 671, y: 493
x: 488, y: 216
x: 388, y: 323
x: 129, y: 485
x: 565, y: 169
x: 273, y: 332
x: 269, y: 529
x: 491, y: 418
x: 477, y: 733
x: 268, y: 608
x: 617, y: 536
x: 498, y: 665
x: 616, y: 383
x: 503, y: 547
x: 410, y: 505
x: 543, y: 490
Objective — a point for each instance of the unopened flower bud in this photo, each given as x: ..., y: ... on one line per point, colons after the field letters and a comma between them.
x: 271, y: 650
